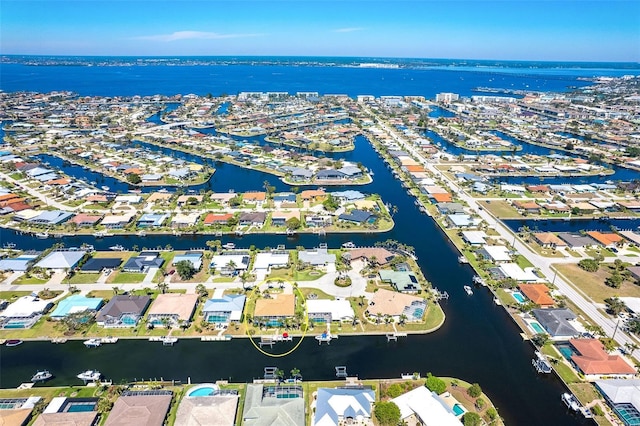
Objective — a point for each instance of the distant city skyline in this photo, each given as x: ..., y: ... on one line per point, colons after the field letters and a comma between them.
x: 549, y: 30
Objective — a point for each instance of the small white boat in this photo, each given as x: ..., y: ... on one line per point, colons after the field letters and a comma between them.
x: 169, y: 341
x: 462, y: 259
x: 42, y: 235
x: 105, y: 188
x: 117, y: 247
x: 571, y: 401
x: 13, y: 342
x: 9, y: 246
x: 229, y: 246
x: 468, y: 289
x: 89, y: 376
x: 348, y: 245
x: 92, y: 343
x: 99, y: 234
x: 41, y: 376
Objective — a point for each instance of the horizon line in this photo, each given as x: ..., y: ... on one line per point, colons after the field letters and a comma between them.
x: 314, y: 56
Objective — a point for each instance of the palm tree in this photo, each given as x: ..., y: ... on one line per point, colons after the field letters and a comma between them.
x: 295, y: 374
x: 244, y: 277
x: 615, y: 305
x: 116, y: 290
x: 403, y: 319
x: 202, y: 290
x: 163, y: 287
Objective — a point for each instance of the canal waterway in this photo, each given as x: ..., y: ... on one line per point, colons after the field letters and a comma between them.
x: 478, y: 341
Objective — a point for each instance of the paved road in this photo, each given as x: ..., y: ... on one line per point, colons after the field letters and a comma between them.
x: 585, y: 304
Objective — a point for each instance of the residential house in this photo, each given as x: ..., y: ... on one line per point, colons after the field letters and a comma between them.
x: 451, y: 208
x: 193, y: 257
x: 184, y: 220
x: 189, y: 199
x: 402, y: 281
x: 339, y: 406
x: 387, y: 303
x: 74, y: 304
x: 606, y: 239
x: 378, y: 255
x: 252, y: 219
x: 356, y: 216
x: 495, y: 254
x: 591, y: 359
x: 149, y: 220
x: 264, y: 407
x: 475, y: 238
x: 117, y: 221
x: 217, y: 219
x: 316, y: 257
x: 421, y: 406
x: 230, y: 264
x: 326, y: 311
x: 99, y: 264
x: 548, y: 240
x: 317, y: 221
x: 557, y: 322
x: 313, y: 195
x: 62, y: 260
x: 538, y: 294
x: 623, y: 395
x: 83, y: 219
x: 51, y: 217
x: 143, y: 262
x: 123, y: 311
x: 216, y: 409
x: 172, y: 309
x: 576, y: 240
x: 224, y: 310
x: 462, y: 221
x: 140, y: 408
x: 274, y: 310
x: 258, y: 198
x: 24, y: 312
x: 280, y: 218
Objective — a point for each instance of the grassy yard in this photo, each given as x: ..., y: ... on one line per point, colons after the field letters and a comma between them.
x: 84, y: 278
x: 500, y: 209
x: 593, y: 283
x: 13, y: 295
x: 126, y: 277
x: 29, y: 280
x: 523, y: 262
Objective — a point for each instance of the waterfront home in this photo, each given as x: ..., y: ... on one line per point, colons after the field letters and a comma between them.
x: 143, y: 262
x: 548, y: 240
x: 557, y: 322
x: 440, y: 197
x: 25, y: 215
x: 623, y: 395
x: 83, y: 219
x: 193, y: 257
x: 421, y: 406
x: 267, y: 405
x: 475, y: 238
x: 495, y: 254
x: 17, y: 411
x: 591, y: 359
x: 230, y: 264
x: 273, y: 311
x: 576, y: 240
x: 217, y: 219
x: 24, y: 312
x: 329, y: 174
x: 152, y: 220
x: 392, y: 304
x: 338, y: 406
x: 222, y: 197
x: 51, y: 218
x: 402, y: 281
x: 140, y: 408
x: 284, y: 198
x: 633, y: 205
x: 462, y: 221
x: 356, y: 216
x: 74, y: 304
x: 184, y: 220
x: 99, y: 264
x: 258, y: 198
x: 159, y: 198
x: 189, y: 199
x: 538, y: 294
x: 529, y: 207
x: 224, y: 310
x: 451, y: 208
x: 313, y: 195
x: 19, y: 263
x: 128, y: 199
x: 63, y: 411
x: 256, y: 219
x: 326, y: 311
x: 117, y: 221
x: 172, y: 309
x: 123, y: 311
x: 316, y: 257
x: 217, y: 409
x: 515, y: 272
x: 61, y: 260
x: 182, y: 174
x: 317, y: 221
x: 298, y: 174
x: 280, y: 218
x: 606, y: 239
x: 583, y: 208
x: 348, y: 195
x: 378, y: 255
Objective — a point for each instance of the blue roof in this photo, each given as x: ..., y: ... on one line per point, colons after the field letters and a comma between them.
x: 228, y: 303
x: 194, y: 258
x: 76, y: 303
x: 358, y: 216
x: 359, y: 404
x: 52, y: 217
x: 348, y: 195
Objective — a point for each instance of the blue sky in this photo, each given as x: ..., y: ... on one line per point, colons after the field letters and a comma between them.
x: 574, y: 30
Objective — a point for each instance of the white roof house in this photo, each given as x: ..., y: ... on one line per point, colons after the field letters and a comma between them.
x: 496, y: 253
x: 339, y: 309
x: 268, y: 260
x: 512, y: 270
x: 474, y: 237
x: 427, y: 407
x: 61, y: 259
x: 24, y: 312
x: 129, y: 199
x: 240, y: 261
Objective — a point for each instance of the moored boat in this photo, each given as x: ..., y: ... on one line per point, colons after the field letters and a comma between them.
x: 92, y: 343
x: 468, y: 290
x: 13, y: 342
x: 42, y: 235
x: 348, y: 245
x: 89, y: 375
x: 41, y: 376
x: 117, y: 247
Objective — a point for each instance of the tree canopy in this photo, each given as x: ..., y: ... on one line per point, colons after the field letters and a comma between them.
x: 185, y: 269
x: 435, y: 384
x: 387, y: 413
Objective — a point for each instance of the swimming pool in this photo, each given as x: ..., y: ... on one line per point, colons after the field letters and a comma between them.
x: 536, y: 327
x: 519, y: 297
x: 80, y: 407
x: 566, y: 351
x: 458, y: 410
x: 203, y: 390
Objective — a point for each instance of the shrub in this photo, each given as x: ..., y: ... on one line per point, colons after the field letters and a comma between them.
x: 471, y: 419
x: 474, y: 390
x: 435, y: 384
x: 387, y: 413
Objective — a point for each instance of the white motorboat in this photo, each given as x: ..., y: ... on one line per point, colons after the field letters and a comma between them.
x: 117, y: 247
x: 229, y: 246
x: 468, y: 289
x: 92, y: 343
x: 89, y: 376
x: 42, y: 235
x: 348, y: 245
x: 41, y: 376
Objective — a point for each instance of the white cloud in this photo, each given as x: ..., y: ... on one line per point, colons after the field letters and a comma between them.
x: 192, y: 35
x: 348, y: 30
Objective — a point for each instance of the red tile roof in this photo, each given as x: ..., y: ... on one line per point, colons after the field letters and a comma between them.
x: 593, y: 359
x: 537, y: 293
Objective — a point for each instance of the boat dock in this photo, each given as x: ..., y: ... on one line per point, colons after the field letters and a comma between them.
x: 222, y: 338
x: 541, y: 364
x: 341, y: 372
x: 394, y: 336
